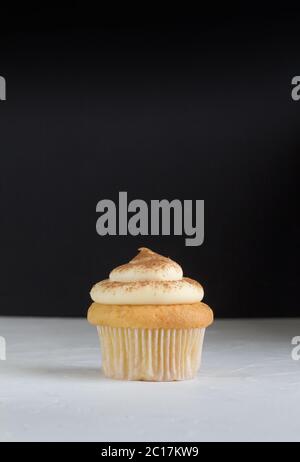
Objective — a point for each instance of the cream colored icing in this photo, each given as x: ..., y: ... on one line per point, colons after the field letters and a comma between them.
x: 148, y: 279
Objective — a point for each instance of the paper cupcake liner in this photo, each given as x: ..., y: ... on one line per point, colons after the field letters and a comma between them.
x: 150, y: 354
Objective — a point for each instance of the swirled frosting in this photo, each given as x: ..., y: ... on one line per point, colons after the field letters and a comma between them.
x: 148, y: 279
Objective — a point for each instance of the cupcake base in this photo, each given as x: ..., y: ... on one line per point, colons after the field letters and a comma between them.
x: 150, y: 354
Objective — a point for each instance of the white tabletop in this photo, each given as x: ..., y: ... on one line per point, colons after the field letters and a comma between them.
x: 52, y: 388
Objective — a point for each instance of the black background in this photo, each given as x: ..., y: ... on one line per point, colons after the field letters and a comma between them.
x: 185, y: 106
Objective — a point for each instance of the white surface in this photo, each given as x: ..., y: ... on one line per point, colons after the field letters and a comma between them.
x: 52, y: 389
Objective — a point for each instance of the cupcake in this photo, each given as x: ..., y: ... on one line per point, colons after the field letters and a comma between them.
x: 150, y: 320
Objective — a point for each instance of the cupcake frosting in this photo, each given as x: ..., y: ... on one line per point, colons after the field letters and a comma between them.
x: 149, y: 278
x: 147, y: 266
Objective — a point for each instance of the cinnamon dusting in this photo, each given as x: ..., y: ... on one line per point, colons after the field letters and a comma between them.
x: 136, y: 285
x: 147, y: 259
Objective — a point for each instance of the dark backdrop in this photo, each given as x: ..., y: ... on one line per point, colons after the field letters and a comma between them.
x: 192, y: 107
